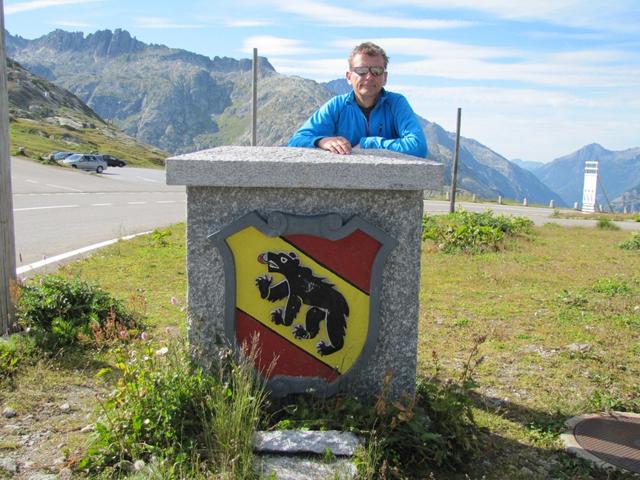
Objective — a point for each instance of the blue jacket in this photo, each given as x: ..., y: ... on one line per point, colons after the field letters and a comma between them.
x: 392, y: 125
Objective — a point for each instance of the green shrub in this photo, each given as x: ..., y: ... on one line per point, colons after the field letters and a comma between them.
x: 469, y: 232
x: 165, y: 408
x: 632, y: 244
x: 59, y: 312
x: 405, y: 437
x: 9, y: 360
x: 606, y: 224
x: 612, y: 287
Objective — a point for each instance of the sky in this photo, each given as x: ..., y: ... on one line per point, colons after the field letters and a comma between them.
x: 535, y: 79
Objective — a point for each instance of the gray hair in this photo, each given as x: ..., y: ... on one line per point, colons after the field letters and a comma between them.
x: 370, y: 49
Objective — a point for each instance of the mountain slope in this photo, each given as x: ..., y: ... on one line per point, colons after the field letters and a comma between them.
x: 619, y: 171
x: 182, y: 102
x: 160, y: 95
x: 484, y: 172
x: 46, y: 118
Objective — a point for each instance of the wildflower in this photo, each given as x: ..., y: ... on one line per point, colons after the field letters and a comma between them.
x: 162, y: 351
x: 144, y: 336
x: 174, y: 301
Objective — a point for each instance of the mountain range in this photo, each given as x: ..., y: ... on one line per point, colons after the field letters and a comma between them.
x: 618, y: 175
x: 181, y: 101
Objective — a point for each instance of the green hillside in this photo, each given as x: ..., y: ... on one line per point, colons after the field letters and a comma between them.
x: 45, y: 118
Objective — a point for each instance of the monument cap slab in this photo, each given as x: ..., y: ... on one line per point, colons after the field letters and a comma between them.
x: 284, y: 167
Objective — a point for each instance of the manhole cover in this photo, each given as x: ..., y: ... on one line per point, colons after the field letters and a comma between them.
x: 614, y: 439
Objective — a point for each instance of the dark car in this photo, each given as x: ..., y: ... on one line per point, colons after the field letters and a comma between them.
x: 113, y: 161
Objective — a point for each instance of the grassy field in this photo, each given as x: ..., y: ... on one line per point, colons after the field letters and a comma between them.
x: 560, y: 310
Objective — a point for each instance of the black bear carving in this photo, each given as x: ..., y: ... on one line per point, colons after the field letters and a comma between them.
x: 300, y: 286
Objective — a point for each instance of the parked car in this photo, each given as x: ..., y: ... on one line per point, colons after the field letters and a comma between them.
x: 85, y: 161
x: 113, y: 161
x: 60, y: 155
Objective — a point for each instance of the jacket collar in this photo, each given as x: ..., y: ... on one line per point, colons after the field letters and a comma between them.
x: 351, y: 98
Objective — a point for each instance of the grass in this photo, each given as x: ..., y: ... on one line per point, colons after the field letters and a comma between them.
x: 614, y: 217
x: 39, y: 139
x: 560, y: 310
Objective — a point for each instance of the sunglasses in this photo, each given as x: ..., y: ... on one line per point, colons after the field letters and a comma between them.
x: 362, y: 71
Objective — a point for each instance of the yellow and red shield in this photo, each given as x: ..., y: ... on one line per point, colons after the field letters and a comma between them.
x: 308, y: 287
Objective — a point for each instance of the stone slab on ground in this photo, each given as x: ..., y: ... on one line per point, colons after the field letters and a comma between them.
x: 287, y: 467
x: 301, y: 441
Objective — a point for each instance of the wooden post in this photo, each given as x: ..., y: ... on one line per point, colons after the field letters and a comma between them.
x: 254, y: 98
x: 454, y: 167
x: 7, y: 240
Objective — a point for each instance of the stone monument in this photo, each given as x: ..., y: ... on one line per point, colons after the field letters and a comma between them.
x: 317, y: 255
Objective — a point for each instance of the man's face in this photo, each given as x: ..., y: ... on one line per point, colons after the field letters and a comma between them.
x: 366, y: 87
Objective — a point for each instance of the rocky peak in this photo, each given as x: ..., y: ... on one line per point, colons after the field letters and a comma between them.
x: 108, y: 44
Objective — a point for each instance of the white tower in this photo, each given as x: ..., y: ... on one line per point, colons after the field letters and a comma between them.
x: 590, y: 184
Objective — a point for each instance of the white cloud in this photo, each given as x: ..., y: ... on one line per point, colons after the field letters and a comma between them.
x: 275, y: 46
x: 247, y: 23
x: 425, y: 47
x: 326, y: 14
x: 163, y: 23
x: 320, y: 70
x: 39, y: 4
x: 621, y: 15
x: 527, y: 123
x: 467, y: 62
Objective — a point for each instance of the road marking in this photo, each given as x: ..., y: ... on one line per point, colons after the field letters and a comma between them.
x: 136, y: 203
x: 148, y: 179
x: 30, y: 181
x: 165, y: 201
x: 73, y: 253
x: 44, y: 208
x: 101, y: 204
x: 63, y: 188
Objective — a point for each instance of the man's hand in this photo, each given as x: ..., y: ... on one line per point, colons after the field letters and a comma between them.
x: 338, y: 145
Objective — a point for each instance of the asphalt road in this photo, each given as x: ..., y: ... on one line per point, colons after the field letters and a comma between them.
x: 59, y: 210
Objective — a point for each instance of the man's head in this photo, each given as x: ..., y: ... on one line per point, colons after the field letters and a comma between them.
x: 367, y: 72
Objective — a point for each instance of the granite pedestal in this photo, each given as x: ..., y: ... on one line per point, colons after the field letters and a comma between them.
x: 382, y: 188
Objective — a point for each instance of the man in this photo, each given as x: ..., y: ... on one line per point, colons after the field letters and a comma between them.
x: 368, y: 117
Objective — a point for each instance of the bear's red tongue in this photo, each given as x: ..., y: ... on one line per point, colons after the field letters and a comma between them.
x: 262, y: 258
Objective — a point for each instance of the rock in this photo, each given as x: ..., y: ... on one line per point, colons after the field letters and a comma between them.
x: 8, y: 412
x: 139, y: 465
x: 299, y: 441
x: 9, y: 465
x: 88, y: 428
x: 527, y: 472
x: 295, y: 468
x: 578, y: 347
x: 65, y: 474
x: 42, y: 476
x: 65, y: 407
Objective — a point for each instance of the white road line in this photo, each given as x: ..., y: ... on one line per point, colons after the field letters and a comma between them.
x: 30, y: 181
x: 136, y: 203
x: 73, y: 253
x: 101, y: 204
x: 148, y: 179
x: 165, y: 201
x: 44, y: 208
x: 63, y: 188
